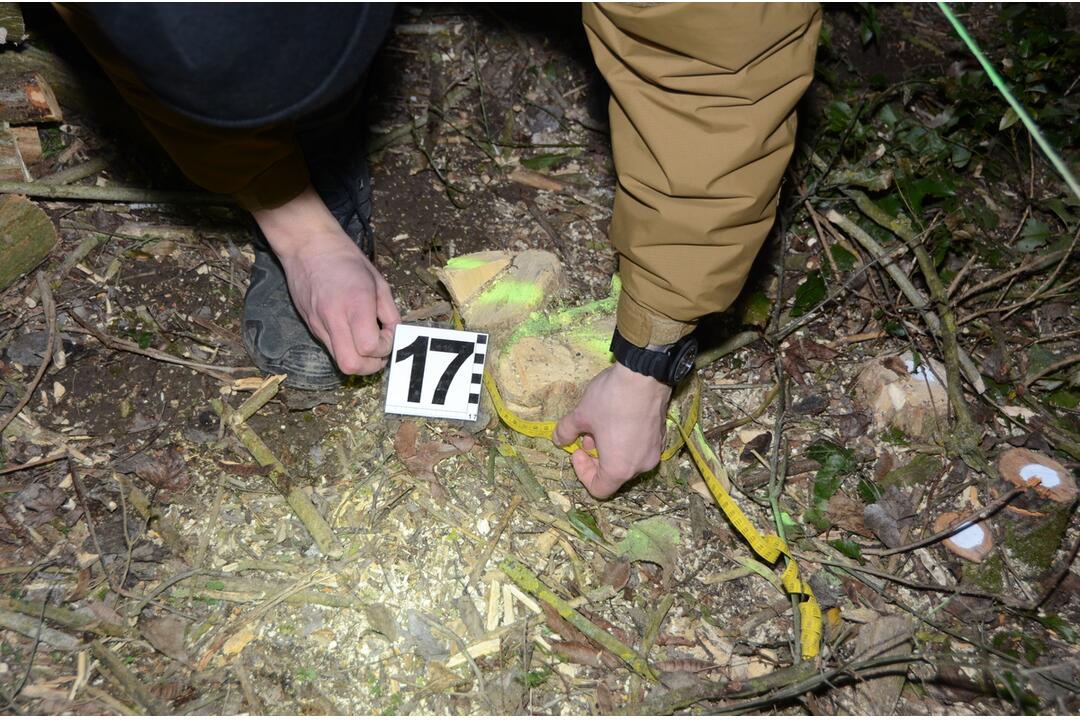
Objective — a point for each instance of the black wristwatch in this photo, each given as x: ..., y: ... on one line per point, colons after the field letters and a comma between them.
x: 669, y: 365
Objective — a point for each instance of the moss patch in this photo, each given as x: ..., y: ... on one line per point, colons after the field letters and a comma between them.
x: 1037, y: 547
x: 988, y: 575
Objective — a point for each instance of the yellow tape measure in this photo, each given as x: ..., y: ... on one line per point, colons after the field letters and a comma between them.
x: 770, y: 547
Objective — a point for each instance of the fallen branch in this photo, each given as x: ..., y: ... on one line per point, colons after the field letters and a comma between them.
x: 301, y: 504
x: 914, y: 296
x: 113, y: 193
x: 33, y: 629
x: 218, y: 372
x: 527, y: 581
x: 127, y: 680
x: 73, y: 174
x: 735, y: 342
x: 789, y: 683
x: 68, y: 618
x: 243, y: 590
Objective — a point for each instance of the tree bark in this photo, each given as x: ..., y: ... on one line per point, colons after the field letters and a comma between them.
x: 27, y: 236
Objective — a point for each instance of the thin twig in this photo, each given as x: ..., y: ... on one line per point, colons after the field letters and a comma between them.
x: 1049, y: 281
x: 49, y: 305
x: 34, y: 463
x: 1053, y: 367
x: 218, y: 372
x: 485, y: 554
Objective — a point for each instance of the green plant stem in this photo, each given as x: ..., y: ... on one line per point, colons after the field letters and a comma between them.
x: 1021, y: 112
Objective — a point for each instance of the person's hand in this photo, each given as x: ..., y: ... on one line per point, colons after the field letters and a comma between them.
x: 338, y: 292
x: 622, y: 416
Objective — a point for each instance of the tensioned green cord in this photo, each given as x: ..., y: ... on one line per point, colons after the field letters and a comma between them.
x: 1032, y: 128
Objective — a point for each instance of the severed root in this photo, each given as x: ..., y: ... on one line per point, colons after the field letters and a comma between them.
x: 527, y: 581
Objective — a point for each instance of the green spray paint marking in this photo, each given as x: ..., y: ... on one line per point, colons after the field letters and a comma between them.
x: 465, y: 262
x: 511, y: 292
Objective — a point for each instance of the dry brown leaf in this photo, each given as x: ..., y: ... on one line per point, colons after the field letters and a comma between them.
x: 624, y: 637
x: 103, y: 612
x: 677, y: 640
x: 166, y: 634
x: 579, y: 653
x: 616, y: 574
x: 847, y: 514
x: 405, y: 439
x: 560, y: 626
x: 428, y: 455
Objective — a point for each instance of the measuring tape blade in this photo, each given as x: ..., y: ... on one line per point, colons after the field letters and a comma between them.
x: 769, y: 547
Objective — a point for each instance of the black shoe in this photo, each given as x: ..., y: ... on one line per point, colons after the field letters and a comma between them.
x: 274, y: 334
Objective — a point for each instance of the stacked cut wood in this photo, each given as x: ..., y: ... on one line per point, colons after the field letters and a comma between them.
x: 12, y: 28
x: 27, y: 100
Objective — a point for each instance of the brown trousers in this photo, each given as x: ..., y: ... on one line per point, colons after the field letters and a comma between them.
x: 702, y: 121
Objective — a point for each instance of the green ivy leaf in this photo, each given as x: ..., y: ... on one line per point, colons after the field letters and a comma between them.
x: 843, y: 258
x: 850, y: 548
x: 809, y: 294
x: 585, y: 524
x: 654, y: 540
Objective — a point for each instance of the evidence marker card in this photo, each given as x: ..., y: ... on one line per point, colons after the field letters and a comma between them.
x: 436, y: 372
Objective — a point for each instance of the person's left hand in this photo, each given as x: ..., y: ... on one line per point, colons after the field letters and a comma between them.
x: 622, y: 416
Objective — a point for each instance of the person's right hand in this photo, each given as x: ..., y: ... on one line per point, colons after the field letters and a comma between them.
x: 340, y: 295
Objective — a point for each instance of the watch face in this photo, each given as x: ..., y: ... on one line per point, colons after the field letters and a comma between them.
x: 684, y: 361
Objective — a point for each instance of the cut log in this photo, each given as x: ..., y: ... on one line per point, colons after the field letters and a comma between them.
x: 12, y: 166
x: 899, y: 393
x: 29, y: 142
x: 26, y: 98
x: 12, y: 27
x: 543, y: 376
x: 27, y: 236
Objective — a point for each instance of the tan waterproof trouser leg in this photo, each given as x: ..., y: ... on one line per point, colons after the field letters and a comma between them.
x: 702, y: 126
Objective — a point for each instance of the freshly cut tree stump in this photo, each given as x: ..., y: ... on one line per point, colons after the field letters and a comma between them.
x: 1034, y: 524
x: 26, y: 98
x: 973, y: 541
x: 12, y: 165
x: 898, y: 393
x: 541, y: 357
x: 495, y: 291
x: 27, y: 236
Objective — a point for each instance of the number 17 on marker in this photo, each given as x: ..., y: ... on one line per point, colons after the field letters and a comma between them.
x: 435, y: 372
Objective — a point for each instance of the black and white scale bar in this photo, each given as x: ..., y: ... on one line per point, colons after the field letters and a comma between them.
x: 477, y: 385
